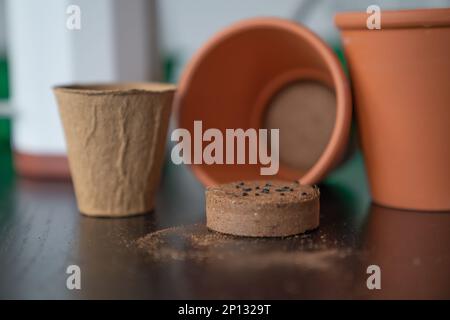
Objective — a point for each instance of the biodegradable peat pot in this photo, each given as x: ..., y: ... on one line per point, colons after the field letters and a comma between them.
x: 401, y: 84
x: 116, y: 137
x: 269, y: 73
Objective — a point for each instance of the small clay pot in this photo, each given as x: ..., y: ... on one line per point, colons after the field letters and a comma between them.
x: 401, y: 84
x: 43, y: 167
x: 115, y: 137
x: 269, y: 73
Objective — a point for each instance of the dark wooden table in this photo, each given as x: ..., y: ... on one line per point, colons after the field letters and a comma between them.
x: 42, y: 233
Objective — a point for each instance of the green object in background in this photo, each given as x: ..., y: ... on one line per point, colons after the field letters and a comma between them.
x: 6, y: 167
x: 5, y: 131
x: 6, y: 161
x: 340, y: 54
x: 5, y: 123
x: 4, y: 88
x: 343, y: 180
x: 170, y: 62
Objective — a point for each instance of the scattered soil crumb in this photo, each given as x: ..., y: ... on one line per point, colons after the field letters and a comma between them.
x: 197, y: 243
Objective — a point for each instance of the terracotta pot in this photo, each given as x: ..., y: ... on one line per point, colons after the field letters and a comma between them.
x: 43, y: 167
x: 401, y: 77
x: 115, y: 138
x: 269, y: 73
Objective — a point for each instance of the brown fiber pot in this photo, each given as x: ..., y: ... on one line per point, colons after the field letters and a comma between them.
x: 115, y: 138
x: 401, y: 85
x: 231, y: 82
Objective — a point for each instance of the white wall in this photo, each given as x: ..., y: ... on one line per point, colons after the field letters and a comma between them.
x: 186, y: 24
x: 112, y: 45
x: 2, y: 28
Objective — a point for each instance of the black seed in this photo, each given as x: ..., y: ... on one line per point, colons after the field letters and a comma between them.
x: 237, y: 187
x: 241, y: 183
x: 268, y: 185
x: 257, y: 188
x: 279, y: 190
x: 304, y: 193
x: 282, y: 194
x: 245, y: 194
x: 256, y: 194
x: 291, y: 189
x: 247, y: 189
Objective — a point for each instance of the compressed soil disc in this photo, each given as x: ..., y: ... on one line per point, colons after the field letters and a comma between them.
x: 262, y: 208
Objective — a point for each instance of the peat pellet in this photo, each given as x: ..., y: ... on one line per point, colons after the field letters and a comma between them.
x: 268, y: 214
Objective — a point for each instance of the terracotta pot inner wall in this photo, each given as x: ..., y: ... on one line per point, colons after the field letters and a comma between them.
x: 230, y: 79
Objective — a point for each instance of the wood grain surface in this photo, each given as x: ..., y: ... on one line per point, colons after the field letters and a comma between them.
x: 42, y: 233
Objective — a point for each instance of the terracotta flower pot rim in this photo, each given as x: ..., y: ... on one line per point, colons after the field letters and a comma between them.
x: 338, y: 139
x: 121, y: 88
x: 397, y: 19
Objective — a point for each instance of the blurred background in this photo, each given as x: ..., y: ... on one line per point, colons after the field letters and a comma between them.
x: 152, y: 40
x: 117, y: 40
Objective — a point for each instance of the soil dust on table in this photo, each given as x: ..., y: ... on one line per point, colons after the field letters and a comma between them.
x: 196, y: 242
